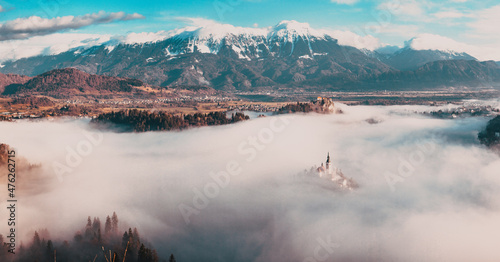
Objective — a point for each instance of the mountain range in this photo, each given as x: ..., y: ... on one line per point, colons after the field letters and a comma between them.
x: 407, y: 58
x: 288, y: 55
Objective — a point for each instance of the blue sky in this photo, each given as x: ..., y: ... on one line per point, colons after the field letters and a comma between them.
x: 390, y: 21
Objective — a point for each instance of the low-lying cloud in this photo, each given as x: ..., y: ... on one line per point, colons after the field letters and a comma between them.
x: 445, y: 207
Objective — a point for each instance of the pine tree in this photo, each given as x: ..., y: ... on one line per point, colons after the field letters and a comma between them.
x: 130, y: 234
x: 99, y: 236
x: 132, y: 246
x: 107, y: 226
x: 36, y: 240
x: 49, y: 250
x: 172, y: 258
x: 43, y: 243
x: 125, y: 239
x: 36, y: 249
x: 155, y: 256
x: 141, y: 256
x: 88, y: 233
x: 114, y: 223
x: 89, y: 222
x: 78, y: 237
x: 137, y: 239
x: 96, y: 225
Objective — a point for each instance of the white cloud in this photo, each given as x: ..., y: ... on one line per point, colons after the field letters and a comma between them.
x: 444, y: 209
x: 1, y: 9
x: 450, y: 14
x: 411, y: 8
x: 144, y: 37
x: 437, y: 42
x: 61, y: 42
x: 209, y: 28
x: 195, y: 21
x: 486, y: 23
x: 403, y: 8
x: 22, y: 28
x: 344, y: 2
x: 48, y: 45
x: 351, y: 39
x: 484, y: 32
x: 480, y: 41
x: 399, y: 30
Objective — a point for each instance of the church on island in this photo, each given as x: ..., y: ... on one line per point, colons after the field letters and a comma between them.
x: 328, y: 172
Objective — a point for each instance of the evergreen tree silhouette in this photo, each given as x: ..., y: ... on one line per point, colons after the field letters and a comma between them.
x: 114, y: 223
x: 107, y: 226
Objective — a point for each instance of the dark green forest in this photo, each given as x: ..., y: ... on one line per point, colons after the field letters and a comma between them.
x: 491, y: 135
x: 134, y: 120
x: 296, y: 108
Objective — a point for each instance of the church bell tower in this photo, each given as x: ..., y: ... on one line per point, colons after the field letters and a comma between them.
x: 328, y: 161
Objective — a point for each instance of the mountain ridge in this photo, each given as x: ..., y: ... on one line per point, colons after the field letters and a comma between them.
x: 228, y: 58
x: 406, y: 59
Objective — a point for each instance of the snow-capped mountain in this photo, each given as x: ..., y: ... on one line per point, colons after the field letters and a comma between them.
x: 289, y: 54
x: 221, y: 56
x: 213, y: 38
x: 287, y: 38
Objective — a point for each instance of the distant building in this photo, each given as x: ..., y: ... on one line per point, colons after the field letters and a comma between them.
x: 323, y: 105
x: 329, y: 172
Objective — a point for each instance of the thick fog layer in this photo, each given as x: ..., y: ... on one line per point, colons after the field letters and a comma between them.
x: 428, y: 190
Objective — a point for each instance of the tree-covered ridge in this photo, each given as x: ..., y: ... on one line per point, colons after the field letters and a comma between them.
x: 322, y: 105
x: 94, y: 242
x: 142, y: 121
x: 295, y: 108
x: 491, y: 135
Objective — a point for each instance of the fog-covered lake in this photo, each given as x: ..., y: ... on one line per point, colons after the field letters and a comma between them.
x: 428, y: 190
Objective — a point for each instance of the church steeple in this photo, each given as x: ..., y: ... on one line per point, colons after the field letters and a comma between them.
x: 328, y: 161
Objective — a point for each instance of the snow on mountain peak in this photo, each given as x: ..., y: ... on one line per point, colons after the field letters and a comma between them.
x: 207, y: 36
x: 292, y: 25
x: 208, y: 29
x: 292, y: 28
x: 144, y: 37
